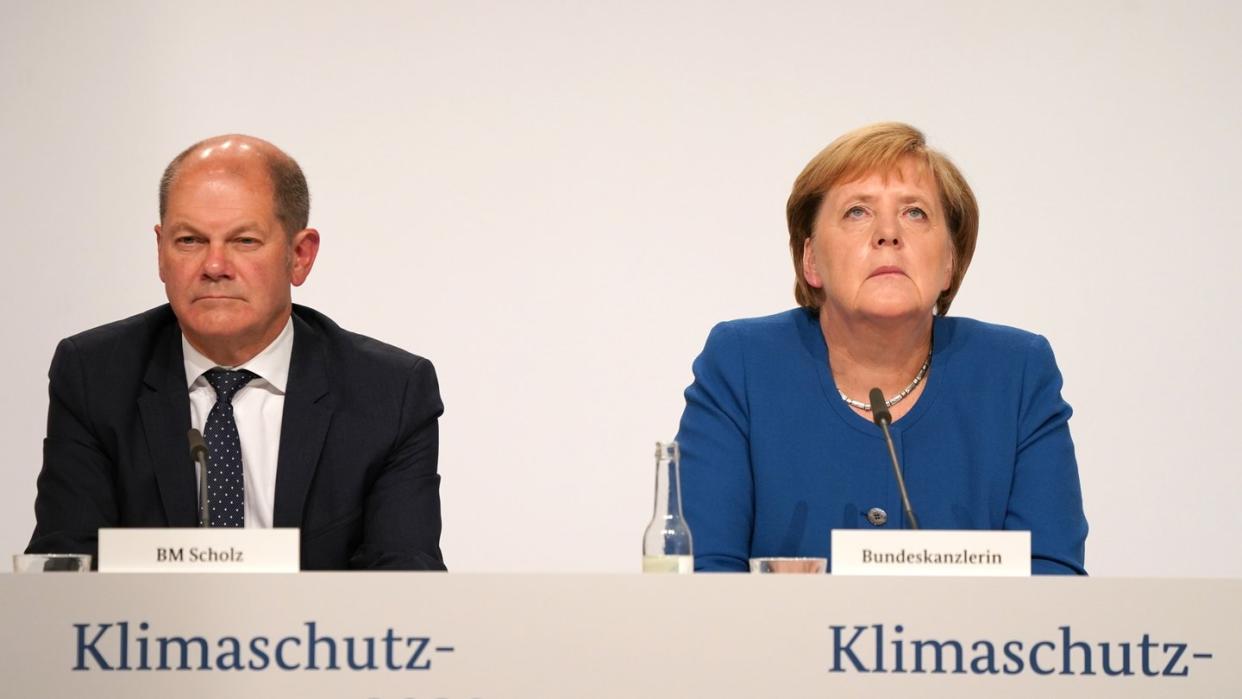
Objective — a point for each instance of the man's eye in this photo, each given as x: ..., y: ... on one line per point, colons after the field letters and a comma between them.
x: 248, y: 241
x: 186, y: 240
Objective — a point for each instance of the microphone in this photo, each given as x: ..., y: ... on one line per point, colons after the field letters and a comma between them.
x: 198, y: 454
x: 883, y: 418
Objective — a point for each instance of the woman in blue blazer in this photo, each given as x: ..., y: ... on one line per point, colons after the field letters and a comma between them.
x: 777, y: 442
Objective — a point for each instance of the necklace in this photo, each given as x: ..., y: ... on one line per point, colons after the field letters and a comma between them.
x: 895, y: 399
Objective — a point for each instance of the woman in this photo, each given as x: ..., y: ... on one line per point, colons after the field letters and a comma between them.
x: 778, y: 446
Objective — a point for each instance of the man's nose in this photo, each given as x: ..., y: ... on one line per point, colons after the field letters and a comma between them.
x: 218, y: 264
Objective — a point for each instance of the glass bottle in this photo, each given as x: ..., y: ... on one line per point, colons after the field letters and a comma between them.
x: 667, y: 546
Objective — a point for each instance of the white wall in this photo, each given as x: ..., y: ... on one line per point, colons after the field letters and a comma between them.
x: 554, y: 201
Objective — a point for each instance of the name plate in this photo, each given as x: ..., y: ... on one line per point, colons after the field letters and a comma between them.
x: 931, y: 552
x: 201, y: 550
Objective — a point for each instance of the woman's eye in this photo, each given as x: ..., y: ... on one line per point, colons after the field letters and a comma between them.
x: 855, y: 212
x: 917, y: 214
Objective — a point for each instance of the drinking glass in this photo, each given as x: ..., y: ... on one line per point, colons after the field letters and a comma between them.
x: 51, y: 563
x: 778, y: 564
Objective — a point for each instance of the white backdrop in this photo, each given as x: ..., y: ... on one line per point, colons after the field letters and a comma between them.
x: 554, y: 201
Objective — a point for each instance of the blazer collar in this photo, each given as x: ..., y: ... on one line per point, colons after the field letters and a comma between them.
x: 308, y: 411
x: 164, y: 408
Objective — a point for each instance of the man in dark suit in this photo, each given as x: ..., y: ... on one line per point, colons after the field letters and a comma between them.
x: 307, y: 425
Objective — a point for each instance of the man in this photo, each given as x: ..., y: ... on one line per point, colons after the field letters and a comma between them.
x: 307, y: 425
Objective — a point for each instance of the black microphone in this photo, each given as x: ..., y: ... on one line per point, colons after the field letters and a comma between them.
x: 883, y: 418
x: 198, y: 454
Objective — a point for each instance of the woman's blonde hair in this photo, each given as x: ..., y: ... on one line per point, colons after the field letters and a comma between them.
x: 880, y: 148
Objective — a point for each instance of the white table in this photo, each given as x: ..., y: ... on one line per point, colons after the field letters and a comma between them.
x: 514, y: 636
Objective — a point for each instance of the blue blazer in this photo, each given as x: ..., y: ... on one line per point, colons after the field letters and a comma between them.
x: 773, y: 459
x: 356, y: 468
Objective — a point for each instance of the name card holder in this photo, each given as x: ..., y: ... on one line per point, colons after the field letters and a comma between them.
x: 199, y: 550
x: 967, y: 553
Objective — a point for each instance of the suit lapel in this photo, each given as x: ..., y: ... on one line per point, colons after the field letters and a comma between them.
x: 165, y: 409
x: 303, y: 426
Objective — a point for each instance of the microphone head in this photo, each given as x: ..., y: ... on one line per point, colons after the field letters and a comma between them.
x: 197, y: 445
x: 879, y: 411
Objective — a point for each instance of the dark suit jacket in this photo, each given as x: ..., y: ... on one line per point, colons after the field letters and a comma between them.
x: 357, y: 463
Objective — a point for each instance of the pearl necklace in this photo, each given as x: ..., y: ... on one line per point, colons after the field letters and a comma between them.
x: 895, y: 399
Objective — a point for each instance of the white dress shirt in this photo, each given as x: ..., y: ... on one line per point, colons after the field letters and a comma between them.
x: 258, y: 409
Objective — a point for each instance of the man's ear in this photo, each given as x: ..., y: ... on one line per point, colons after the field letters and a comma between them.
x: 159, y: 257
x: 304, y: 249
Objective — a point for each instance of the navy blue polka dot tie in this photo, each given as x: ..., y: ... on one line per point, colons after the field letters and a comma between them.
x: 226, y: 486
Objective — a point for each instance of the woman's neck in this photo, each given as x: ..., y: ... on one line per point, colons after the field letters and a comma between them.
x: 865, y: 354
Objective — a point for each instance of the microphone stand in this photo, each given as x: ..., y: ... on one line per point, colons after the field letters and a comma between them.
x: 883, y: 418
x: 198, y: 454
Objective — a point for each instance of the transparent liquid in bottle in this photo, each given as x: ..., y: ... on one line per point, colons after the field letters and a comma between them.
x: 667, y: 545
x: 668, y: 564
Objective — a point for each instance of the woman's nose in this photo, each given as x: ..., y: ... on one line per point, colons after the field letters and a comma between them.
x: 886, y: 232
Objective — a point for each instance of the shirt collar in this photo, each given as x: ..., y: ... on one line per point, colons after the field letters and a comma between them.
x: 271, y: 365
